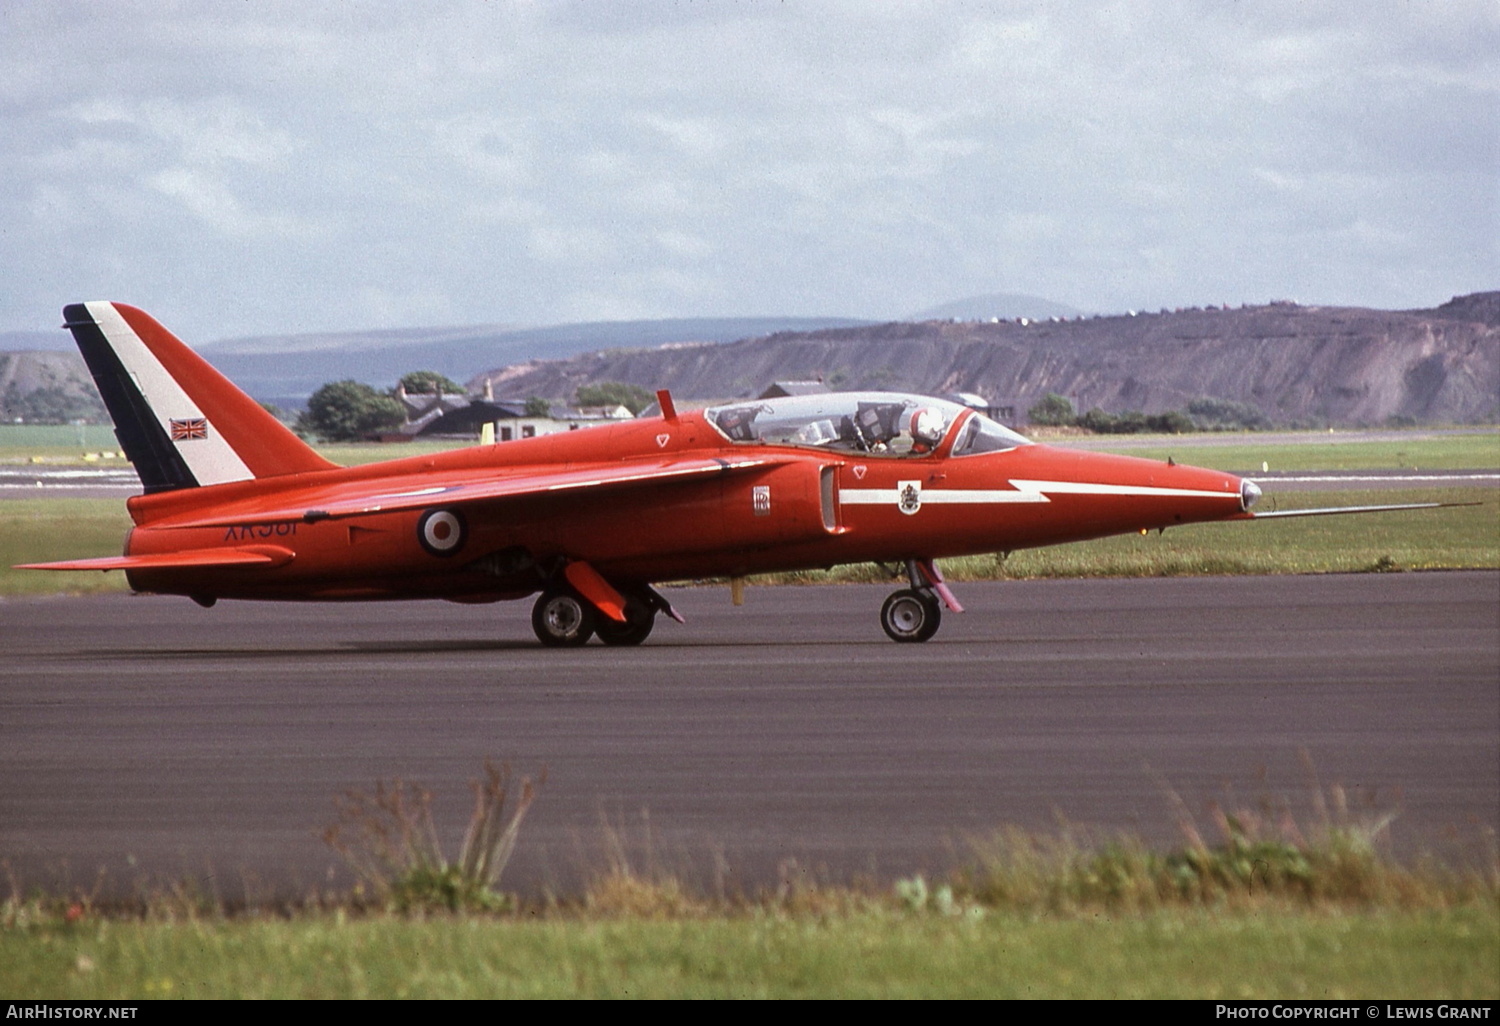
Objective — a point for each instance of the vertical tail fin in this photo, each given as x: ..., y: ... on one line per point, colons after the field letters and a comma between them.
x: 181, y: 423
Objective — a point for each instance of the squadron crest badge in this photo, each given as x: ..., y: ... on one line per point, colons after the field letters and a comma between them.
x: 908, y: 496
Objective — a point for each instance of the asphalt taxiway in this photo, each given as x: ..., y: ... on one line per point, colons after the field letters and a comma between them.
x: 150, y: 739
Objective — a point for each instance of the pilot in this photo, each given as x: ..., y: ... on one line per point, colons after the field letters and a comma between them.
x: 875, y: 425
x: 739, y: 422
x: 926, y: 427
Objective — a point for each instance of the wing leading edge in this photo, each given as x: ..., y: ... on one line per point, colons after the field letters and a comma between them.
x: 389, y: 497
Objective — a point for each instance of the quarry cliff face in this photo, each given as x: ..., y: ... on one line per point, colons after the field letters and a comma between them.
x: 46, y: 387
x: 1297, y: 364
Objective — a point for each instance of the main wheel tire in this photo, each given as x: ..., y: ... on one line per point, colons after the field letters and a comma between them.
x: 562, y: 619
x: 911, y: 615
x: 639, y: 619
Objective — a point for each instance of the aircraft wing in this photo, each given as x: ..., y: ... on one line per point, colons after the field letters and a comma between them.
x: 262, y: 555
x: 384, y: 496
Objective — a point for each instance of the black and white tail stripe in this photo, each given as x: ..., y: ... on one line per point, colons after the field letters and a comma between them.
x: 169, y: 440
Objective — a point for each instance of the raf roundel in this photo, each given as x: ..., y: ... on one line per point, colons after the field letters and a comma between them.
x: 441, y: 531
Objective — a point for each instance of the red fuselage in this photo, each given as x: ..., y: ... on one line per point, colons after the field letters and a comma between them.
x: 800, y: 508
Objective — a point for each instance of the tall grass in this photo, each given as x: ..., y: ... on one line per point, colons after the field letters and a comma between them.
x: 389, y: 841
x: 1233, y: 856
x: 1249, y: 855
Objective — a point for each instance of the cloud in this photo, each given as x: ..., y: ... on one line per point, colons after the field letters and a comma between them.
x: 212, y: 202
x: 512, y: 161
x: 198, y: 133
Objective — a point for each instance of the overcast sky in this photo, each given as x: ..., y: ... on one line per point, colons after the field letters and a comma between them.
x: 253, y: 166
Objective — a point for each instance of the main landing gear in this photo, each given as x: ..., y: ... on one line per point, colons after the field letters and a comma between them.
x: 563, y: 618
x: 640, y: 617
x: 915, y: 613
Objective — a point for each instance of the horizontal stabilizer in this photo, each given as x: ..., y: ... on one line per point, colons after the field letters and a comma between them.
x: 262, y: 555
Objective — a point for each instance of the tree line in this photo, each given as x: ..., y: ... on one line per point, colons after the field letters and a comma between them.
x: 1200, y: 415
x: 347, y: 411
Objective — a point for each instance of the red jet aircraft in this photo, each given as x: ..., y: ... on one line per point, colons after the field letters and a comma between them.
x: 236, y: 506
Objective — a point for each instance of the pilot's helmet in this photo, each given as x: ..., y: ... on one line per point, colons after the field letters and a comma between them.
x: 927, y: 425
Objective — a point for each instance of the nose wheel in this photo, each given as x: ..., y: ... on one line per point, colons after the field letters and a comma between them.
x: 911, y: 614
x: 562, y: 619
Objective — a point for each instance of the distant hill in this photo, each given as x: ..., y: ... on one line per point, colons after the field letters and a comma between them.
x: 1297, y: 364
x: 287, y: 368
x: 1483, y: 307
x: 1003, y: 305
x: 47, y: 388
x: 1300, y: 365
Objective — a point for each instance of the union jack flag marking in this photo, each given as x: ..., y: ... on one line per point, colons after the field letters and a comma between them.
x: 190, y: 429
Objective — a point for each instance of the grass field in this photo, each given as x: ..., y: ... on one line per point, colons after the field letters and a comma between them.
x: 1447, y: 953
x: 1320, y: 452
x: 19, y: 442
x: 1254, y: 904
x: 1109, y: 921
x: 38, y: 530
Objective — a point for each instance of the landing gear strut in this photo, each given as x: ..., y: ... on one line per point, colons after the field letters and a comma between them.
x: 915, y: 613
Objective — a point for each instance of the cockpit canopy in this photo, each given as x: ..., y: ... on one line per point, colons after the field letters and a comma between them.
x: 876, y: 423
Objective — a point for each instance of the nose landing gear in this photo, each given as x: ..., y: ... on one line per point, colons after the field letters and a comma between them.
x: 911, y: 615
x: 915, y: 613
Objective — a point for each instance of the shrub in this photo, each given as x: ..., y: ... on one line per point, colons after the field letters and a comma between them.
x: 346, y: 411
x: 390, y: 843
x: 1226, y: 415
x: 1053, y: 411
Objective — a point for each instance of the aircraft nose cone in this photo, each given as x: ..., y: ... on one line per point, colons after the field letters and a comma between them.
x: 1249, y: 494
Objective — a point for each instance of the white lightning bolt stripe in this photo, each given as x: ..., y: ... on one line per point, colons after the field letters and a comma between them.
x: 1089, y: 488
x: 1024, y: 491
x: 890, y: 496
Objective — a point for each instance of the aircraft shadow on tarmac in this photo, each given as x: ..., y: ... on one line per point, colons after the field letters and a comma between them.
x: 334, y: 649
x: 418, y: 646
